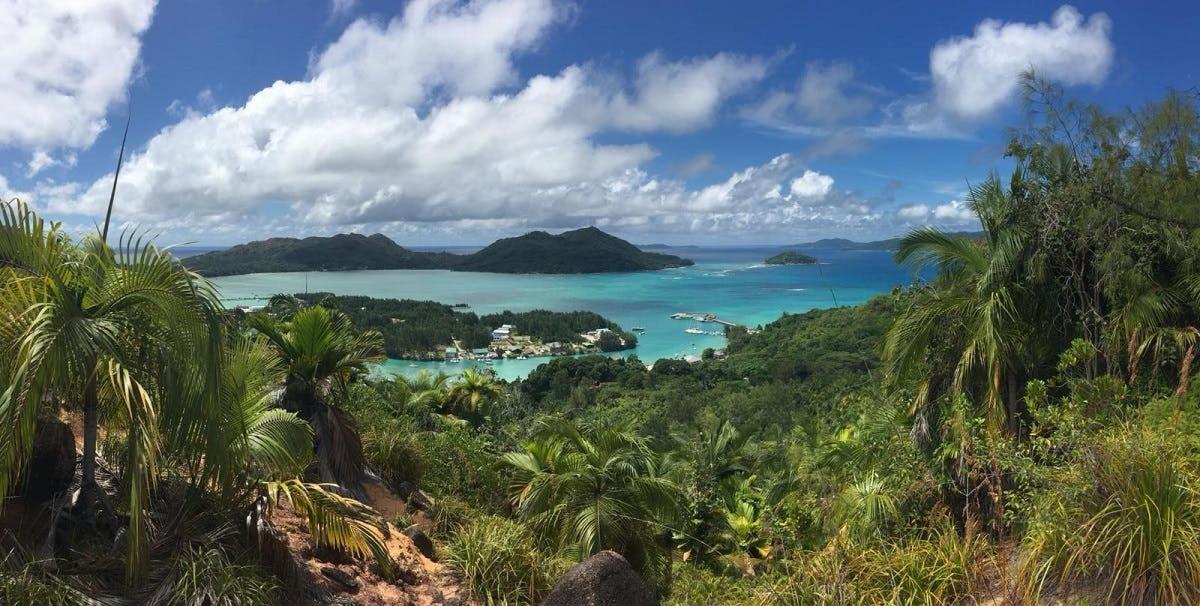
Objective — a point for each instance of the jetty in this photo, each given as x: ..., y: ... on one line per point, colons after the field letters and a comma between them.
x: 700, y: 316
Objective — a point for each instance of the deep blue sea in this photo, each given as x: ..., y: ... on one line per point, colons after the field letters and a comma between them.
x: 732, y: 282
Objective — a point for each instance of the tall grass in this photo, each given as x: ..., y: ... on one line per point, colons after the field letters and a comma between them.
x: 499, y: 562
x: 30, y: 583
x: 1136, y: 532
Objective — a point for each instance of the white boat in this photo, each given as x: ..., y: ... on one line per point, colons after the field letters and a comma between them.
x: 693, y: 331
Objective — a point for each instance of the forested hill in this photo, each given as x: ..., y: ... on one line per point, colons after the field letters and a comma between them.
x: 582, y: 251
x: 587, y: 250
x: 335, y: 253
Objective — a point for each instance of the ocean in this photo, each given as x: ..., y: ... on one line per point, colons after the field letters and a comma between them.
x: 731, y: 282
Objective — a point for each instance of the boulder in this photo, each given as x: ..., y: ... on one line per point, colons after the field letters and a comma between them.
x: 604, y: 579
x: 343, y: 578
x: 421, y: 541
x: 418, y: 500
x: 52, y: 461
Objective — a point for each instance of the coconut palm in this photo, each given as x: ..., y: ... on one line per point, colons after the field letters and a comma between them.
x: 472, y: 396
x: 973, y: 314
x: 593, y: 487
x: 111, y: 332
x: 322, y: 352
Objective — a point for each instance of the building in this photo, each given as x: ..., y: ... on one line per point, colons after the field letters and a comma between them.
x: 505, y: 331
x: 451, y: 353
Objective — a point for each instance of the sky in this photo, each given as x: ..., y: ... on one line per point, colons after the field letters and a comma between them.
x: 450, y: 122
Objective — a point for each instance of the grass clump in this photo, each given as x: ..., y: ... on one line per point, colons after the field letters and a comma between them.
x: 1135, y: 532
x: 499, y: 562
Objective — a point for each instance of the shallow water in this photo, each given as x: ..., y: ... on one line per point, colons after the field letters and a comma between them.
x: 730, y: 282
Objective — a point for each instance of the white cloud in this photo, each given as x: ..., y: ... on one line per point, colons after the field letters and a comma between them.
x: 338, y: 8
x: 826, y: 95
x: 915, y: 212
x: 812, y: 185
x: 683, y: 95
x: 423, y: 120
x: 63, y: 65
x: 954, y: 211
x: 949, y: 214
x: 973, y: 76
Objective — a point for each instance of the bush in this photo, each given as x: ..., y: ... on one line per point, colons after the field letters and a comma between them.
x: 463, y: 462
x: 499, y: 563
x: 396, y: 458
x: 207, y: 575
x: 24, y: 583
x: 450, y: 514
x: 1135, y: 529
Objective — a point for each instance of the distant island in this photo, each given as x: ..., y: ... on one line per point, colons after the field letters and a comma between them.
x: 580, y: 251
x: 888, y: 244
x: 427, y: 330
x: 791, y: 257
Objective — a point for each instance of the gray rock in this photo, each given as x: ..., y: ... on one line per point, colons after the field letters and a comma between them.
x: 604, y: 579
x: 420, y: 501
x: 422, y: 541
x: 52, y: 464
x: 341, y: 578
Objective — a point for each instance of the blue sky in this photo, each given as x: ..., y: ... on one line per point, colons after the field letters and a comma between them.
x: 442, y: 122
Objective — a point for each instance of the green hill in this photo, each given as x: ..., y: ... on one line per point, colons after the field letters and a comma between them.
x: 587, y: 250
x: 335, y: 253
x: 791, y: 257
x: 581, y: 251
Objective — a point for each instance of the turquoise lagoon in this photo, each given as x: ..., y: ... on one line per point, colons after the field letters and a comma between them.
x: 730, y: 282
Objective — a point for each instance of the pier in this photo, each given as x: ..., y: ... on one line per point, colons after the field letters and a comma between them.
x: 700, y: 316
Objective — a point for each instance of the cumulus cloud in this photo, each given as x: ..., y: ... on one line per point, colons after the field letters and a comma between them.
x: 827, y: 94
x: 973, y: 76
x: 970, y: 79
x: 949, y: 214
x: 682, y: 96
x: 64, y: 64
x: 424, y: 120
x: 812, y: 186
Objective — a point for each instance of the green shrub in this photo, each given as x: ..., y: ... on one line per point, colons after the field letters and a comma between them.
x: 499, y: 562
x: 24, y: 583
x: 207, y: 575
x: 449, y: 515
x: 1135, y: 530
x: 396, y: 457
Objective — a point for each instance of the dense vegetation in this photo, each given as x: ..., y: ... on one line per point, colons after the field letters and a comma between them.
x: 335, y: 253
x: 791, y: 257
x: 587, y: 250
x: 420, y: 329
x: 580, y: 251
x: 1022, y: 427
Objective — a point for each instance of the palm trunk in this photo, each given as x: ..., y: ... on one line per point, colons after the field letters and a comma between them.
x: 1185, y: 371
x: 91, y: 422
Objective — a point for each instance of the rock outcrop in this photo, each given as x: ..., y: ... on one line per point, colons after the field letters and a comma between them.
x: 604, y: 579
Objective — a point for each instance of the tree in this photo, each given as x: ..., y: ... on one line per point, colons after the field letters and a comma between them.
x: 114, y: 332
x: 975, y: 320
x: 472, y: 396
x: 587, y: 488
x: 322, y: 352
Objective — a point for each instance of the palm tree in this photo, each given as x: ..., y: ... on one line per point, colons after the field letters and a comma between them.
x: 322, y: 352
x: 473, y: 395
x: 714, y: 456
x: 976, y: 313
x: 111, y: 331
x: 588, y: 488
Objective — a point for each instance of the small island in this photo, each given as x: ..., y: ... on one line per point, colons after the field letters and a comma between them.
x: 428, y: 330
x: 791, y: 257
